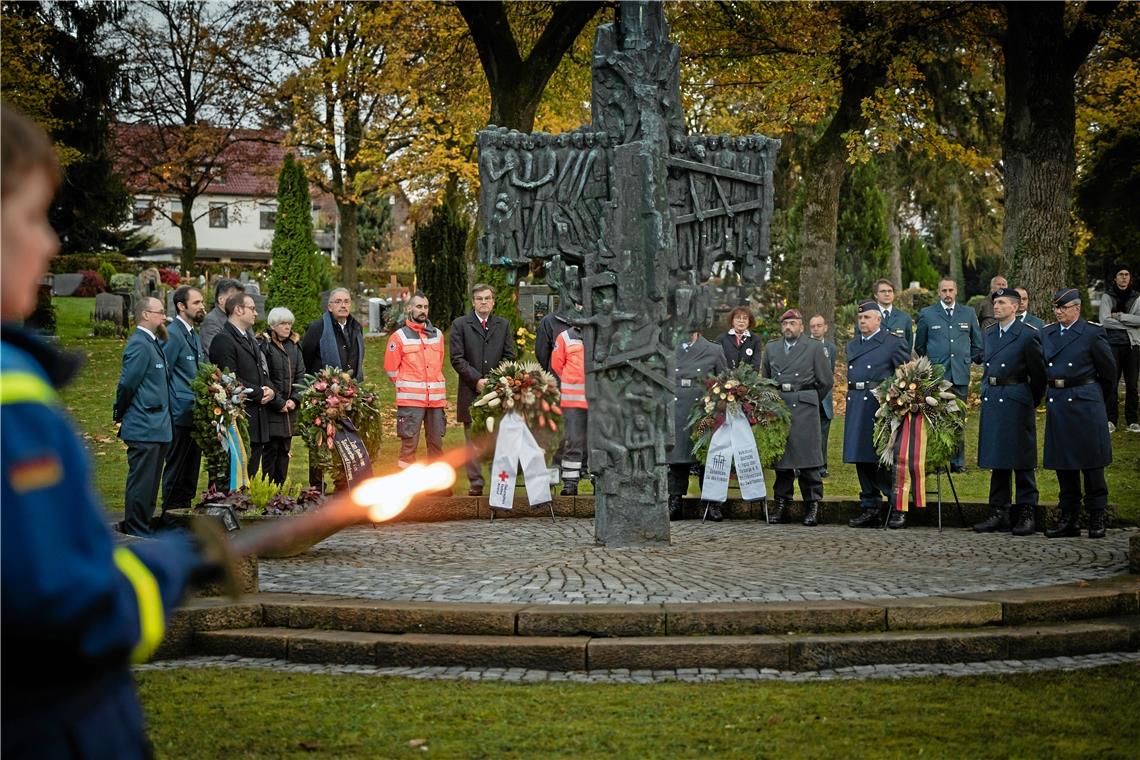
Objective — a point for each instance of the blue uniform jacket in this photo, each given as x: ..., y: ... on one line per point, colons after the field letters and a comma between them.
x: 184, y: 354
x: 1007, y: 432
x: 1035, y: 322
x: 952, y: 342
x: 869, y: 363
x: 142, y: 400
x: 76, y: 609
x: 900, y: 325
x: 1076, y: 425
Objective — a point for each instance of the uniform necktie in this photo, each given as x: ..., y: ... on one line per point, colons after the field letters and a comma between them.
x: 886, y: 313
x: 949, y: 313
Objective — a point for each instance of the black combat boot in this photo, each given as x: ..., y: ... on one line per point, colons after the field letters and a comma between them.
x: 569, y: 487
x: 897, y: 520
x: 779, y: 515
x: 998, y: 520
x: 1068, y: 527
x: 869, y: 519
x: 1096, y: 524
x: 674, y: 507
x: 811, y: 513
x: 1025, y: 524
x: 712, y: 511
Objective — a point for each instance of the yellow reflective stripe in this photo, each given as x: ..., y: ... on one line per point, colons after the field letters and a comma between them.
x: 152, y: 624
x: 25, y: 387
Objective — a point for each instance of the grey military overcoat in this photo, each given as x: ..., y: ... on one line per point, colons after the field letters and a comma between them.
x: 695, y: 363
x: 805, y: 378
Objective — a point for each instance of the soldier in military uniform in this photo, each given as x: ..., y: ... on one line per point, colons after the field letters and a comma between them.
x: 801, y: 368
x: 1023, y: 314
x: 948, y: 333
x: 895, y: 321
x: 872, y: 356
x: 1012, y: 388
x: 818, y: 327
x: 697, y: 358
x: 1078, y: 362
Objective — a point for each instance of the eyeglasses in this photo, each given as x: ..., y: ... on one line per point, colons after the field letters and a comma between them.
x: 152, y: 311
x: 1067, y: 306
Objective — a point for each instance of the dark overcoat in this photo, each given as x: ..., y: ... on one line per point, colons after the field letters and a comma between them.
x: 695, y: 363
x: 1076, y: 425
x: 748, y: 352
x: 475, y: 352
x: 805, y: 377
x: 868, y: 363
x: 237, y: 352
x: 827, y: 407
x: 184, y: 353
x: 954, y: 342
x: 286, y: 370
x: 1007, y: 432
x: 899, y: 324
x: 142, y: 398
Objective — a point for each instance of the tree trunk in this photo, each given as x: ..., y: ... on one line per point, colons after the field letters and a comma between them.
x: 895, y: 262
x: 954, y: 247
x: 349, y: 242
x: 1038, y: 154
x: 189, y: 235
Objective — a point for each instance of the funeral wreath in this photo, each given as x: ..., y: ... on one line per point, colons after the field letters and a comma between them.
x: 919, y: 392
x: 219, y: 411
x: 526, y: 389
x: 330, y: 401
x: 743, y: 390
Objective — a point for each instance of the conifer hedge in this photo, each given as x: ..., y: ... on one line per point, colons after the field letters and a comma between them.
x: 294, y: 274
x: 441, y: 267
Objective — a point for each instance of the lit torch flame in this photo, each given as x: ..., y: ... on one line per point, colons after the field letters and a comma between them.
x: 388, y: 496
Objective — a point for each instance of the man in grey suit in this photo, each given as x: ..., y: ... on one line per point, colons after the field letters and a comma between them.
x: 142, y: 406
x: 184, y: 354
x: 818, y: 326
x: 216, y: 319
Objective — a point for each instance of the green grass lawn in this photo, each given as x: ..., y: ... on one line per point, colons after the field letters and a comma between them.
x: 91, y: 397
x: 258, y: 714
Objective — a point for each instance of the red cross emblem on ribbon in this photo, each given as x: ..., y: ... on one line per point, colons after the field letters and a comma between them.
x: 503, y: 475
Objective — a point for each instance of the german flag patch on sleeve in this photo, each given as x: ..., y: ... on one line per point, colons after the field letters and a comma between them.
x: 35, y: 473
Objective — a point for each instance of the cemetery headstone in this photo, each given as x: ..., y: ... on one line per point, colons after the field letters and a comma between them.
x: 109, y: 307
x: 66, y: 284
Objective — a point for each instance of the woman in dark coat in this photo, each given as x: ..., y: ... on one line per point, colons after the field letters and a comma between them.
x: 739, y: 344
x: 282, y: 350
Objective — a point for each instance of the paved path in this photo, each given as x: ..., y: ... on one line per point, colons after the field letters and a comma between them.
x: 688, y: 675
x: 534, y: 561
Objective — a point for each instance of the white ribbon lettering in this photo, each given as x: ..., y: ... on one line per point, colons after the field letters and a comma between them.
x: 733, y: 441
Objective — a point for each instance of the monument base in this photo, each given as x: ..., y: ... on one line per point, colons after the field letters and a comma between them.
x: 637, y: 518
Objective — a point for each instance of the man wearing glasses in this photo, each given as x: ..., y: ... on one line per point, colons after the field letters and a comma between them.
x: 234, y: 349
x: 895, y: 321
x: 142, y: 408
x: 1078, y: 363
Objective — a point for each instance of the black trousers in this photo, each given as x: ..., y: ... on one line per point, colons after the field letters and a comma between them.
x: 144, y: 473
x: 679, y: 478
x: 180, y: 477
x: 811, y: 484
x: 275, y: 458
x: 959, y: 458
x: 1000, y: 493
x: 1127, y: 365
x: 874, y: 484
x: 1096, y: 490
x: 256, y: 452
x: 824, y: 431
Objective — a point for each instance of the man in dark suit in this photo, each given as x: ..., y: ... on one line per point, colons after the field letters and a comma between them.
x: 233, y: 349
x: 895, y: 321
x: 1078, y: 363
x: 479, y: 342
x: 819, y: 327
x: 1023, y: 314
x: 215, y: 320
x: 1012, y: 387
x: 142, y: 405
x: 183, y: 350
x: 872, y: 356
x: 949, y: 334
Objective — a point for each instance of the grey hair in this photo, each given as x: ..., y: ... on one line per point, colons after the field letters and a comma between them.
x: 279, y: 314
x: 334, y: 291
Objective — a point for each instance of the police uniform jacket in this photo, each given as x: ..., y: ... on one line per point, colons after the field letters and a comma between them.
x: 898, y: 324
x: 1076, y: 425
x: 76, y: 608
x: 142, y: 399
x: 1007, y: 433
x: 804, y: 376
x: 183, y: 351
x: 695, y: 363
x: 748, y: 352
x: 237, y: 352
x: 868, y: 364
x: 475, y: 352
x: 954, y: 342
x: 827, y: 408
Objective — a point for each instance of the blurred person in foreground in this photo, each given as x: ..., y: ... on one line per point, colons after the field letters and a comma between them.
x: 77, y: 609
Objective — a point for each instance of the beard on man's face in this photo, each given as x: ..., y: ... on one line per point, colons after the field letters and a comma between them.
x: 160, y: 331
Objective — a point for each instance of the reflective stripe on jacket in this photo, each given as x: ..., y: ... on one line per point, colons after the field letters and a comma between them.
x: 414, y: 362
x: 568, y: 361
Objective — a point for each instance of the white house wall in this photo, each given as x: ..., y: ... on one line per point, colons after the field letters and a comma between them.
x: 243, y: 232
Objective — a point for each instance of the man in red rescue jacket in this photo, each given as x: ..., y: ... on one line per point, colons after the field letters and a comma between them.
x: 414, y: 362
x: 568, y: 361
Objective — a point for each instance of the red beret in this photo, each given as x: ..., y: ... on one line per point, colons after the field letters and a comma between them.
x: 791, y: 314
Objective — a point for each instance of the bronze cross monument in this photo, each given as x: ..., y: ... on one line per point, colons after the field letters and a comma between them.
x: 630, y: 217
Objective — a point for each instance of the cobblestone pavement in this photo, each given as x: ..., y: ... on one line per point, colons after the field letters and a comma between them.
x: 688, y: 675
x: 535, y: 561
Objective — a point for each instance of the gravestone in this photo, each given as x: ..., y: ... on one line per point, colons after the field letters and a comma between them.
x: 66, y: 284
x: 110, y: 307
x: 629, y: 217
x: 149, y: 284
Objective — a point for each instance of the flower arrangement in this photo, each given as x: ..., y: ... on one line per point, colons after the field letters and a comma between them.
x: 525, y: 388
x: 331, y: 399
x: 219, y: 404
x: 525, y: 339
x: 758, y: 399
x: 919, y: 387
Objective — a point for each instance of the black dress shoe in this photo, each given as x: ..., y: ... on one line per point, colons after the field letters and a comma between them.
x: 713, y: 513
x: 1068, y: 527
x: 869, y: 519
x: 1096, y: 524
x: 997, y: 521
x: 1025, y: 525
x: 898, y: 520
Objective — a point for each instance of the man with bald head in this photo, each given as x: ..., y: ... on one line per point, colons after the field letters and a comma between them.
x: 142, y: 408
x: 985, y: 308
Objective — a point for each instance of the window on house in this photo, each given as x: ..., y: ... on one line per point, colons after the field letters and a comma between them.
x: 143, y: 212
x: 268, y: 217
x: 219, y: 215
